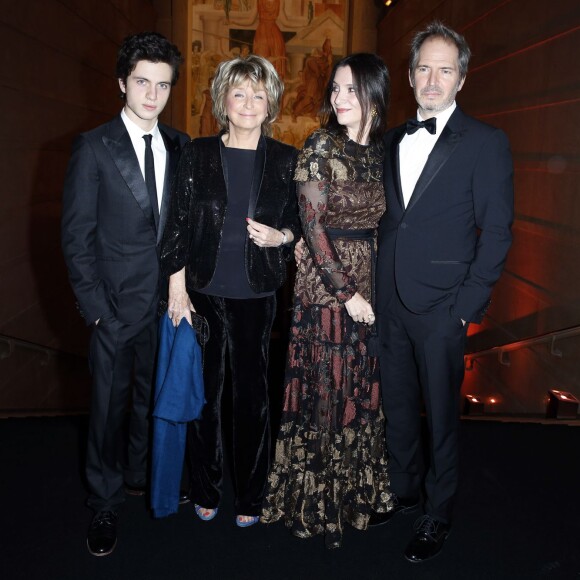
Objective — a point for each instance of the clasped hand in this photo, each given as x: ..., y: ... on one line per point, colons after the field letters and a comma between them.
x: 179, y: 304
x: 360, y: 310
x: 357, y: 307
x: 264, y: 236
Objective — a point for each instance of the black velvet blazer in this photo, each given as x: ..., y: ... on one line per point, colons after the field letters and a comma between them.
x: 193, y: 230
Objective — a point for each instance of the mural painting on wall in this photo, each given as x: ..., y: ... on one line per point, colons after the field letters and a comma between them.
x: 302, y: 39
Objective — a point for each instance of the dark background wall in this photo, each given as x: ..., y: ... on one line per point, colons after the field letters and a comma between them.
x: 524, y: 77
x: 57, y: 79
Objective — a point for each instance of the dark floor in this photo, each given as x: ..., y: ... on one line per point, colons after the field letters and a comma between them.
x: 517, y: 516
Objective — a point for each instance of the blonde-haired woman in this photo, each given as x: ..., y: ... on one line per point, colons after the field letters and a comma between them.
x: 231, y: 227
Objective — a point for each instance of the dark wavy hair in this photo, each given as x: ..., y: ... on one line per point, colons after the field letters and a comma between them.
x: 373, y: 89
x: 150, y: 46
x: 437, y: 29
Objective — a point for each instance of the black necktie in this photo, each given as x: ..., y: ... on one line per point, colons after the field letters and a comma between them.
x: 414, y: 125
x: 150, y: 178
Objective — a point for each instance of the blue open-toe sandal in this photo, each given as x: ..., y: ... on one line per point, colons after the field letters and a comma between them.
x: 198, y: 510
x: 253, y: 520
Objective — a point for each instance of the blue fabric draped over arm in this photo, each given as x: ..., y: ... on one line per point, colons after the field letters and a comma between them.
x: 179, y: 398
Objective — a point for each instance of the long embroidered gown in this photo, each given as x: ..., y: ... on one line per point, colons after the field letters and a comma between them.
x: 330, y: 463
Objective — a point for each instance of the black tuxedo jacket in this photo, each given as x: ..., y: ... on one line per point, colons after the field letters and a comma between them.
x: 109, y: 238
x: 449, y: 245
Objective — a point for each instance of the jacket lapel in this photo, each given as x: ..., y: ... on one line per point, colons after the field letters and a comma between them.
x: 224, y: 161
x: 395, y: 170
x: 446, y: 144
x: 173, y: 149
x: 124, y: 157
x: 259, y: 163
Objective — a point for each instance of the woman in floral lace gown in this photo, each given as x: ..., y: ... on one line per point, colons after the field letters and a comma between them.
x: 330, y: 465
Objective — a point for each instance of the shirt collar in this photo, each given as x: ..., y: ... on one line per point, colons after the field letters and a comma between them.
x: 441, y: 117
x: 135, y: 132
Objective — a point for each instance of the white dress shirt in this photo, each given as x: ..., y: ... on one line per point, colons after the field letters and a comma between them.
x: 415, y: 149
x: 158, y: 147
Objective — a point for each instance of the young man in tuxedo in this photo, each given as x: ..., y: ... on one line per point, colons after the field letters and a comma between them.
x: 116, y: 197
x: 442, y: 246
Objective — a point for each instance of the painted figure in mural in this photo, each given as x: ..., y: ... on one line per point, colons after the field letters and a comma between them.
x: 229, y: 232
x: 196, y: 95
x: 330, y: 465
x: 207, y: 123
x: 268, y: 40
x: 310, y: 93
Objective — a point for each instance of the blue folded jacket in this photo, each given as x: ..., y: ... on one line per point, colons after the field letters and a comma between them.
x: 178, y: 399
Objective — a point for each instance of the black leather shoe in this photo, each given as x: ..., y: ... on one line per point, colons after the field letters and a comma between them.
x: 401, y: 505
x: 430, y: 534
x: 183, y: 496
x: 136, y: 490
x: 102, y: 535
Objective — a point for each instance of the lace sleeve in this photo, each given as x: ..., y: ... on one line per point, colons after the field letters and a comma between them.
x: 314, y: 176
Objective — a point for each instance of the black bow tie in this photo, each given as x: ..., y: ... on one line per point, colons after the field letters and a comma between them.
x: 414, y: 125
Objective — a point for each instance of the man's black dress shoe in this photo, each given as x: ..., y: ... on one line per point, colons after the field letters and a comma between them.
x: 183, y: 496
x: 136, y: 490
x: 401, y: 505
x: 102, y: 534
x: 430, y: 534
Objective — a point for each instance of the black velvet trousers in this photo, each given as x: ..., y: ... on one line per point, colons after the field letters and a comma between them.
x: 240, y: 328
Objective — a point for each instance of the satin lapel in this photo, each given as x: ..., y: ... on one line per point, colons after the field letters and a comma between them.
x: 173, y: 148
x: 443, y: 149
x: 257, y: 175
x: 124, y: 157
x: 395, y: 167
x: 224, y: 162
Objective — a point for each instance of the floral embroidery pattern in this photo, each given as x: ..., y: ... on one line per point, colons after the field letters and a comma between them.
x: 330, y: 465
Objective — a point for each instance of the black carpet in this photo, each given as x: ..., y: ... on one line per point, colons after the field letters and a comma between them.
x: 517, y: 516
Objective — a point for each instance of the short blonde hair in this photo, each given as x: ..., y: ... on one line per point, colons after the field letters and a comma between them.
x: 233, y: 73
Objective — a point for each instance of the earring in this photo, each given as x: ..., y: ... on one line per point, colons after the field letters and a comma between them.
x: 374, y: 112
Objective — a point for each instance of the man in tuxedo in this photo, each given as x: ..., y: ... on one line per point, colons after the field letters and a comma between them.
x: 442, y: 246
x: 116, y: 197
